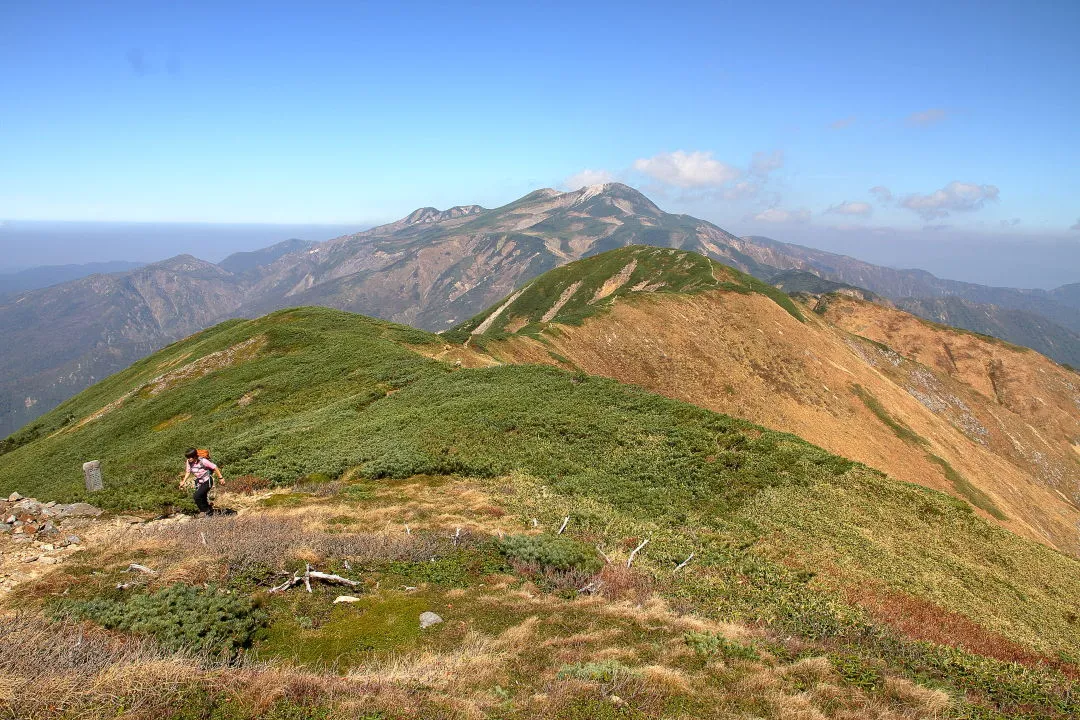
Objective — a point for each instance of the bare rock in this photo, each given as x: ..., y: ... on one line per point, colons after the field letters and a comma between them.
x: 346, y: 599
x: 73, y: 539
x: 14, y: 497
x: 428, y: 619
x: 79, y: 509
x: 28, y: 505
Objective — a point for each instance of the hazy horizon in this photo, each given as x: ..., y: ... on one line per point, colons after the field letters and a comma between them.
x: 1042, y: 262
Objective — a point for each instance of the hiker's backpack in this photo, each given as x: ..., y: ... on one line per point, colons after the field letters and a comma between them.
x: 204, y: 454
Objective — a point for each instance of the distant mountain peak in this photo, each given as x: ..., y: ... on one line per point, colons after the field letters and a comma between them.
x: 624, y: 197
x: 427, y: 215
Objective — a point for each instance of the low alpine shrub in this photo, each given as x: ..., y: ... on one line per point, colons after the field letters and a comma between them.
x: 550, y: 552
x: 180, y: 617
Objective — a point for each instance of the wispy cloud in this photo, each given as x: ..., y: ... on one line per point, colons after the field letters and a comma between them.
x: 742, y: 190
x: 856, y: 209
x: 1076, y: 226
x: 587, y: 177
x: 924, y: 118
x: 776, y: 215
x: 954, y: 197
x: 1010, y: 223
x: 765, y: 163
x: 883, y: 194
x: 842, y: 123
x: 687, y: 170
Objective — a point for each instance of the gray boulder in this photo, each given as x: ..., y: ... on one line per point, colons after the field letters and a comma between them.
x: 79, y: 509
x: 428, y: 619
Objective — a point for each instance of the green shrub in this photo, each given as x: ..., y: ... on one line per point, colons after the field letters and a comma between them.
x: 180, y: 617
x: 605, y: 671
x: 550, y: 552
x: 708, y: 644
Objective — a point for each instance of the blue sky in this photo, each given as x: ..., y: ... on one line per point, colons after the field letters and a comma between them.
x: 771, y: 118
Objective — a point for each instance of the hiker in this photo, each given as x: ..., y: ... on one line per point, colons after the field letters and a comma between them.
x: 200, y: 466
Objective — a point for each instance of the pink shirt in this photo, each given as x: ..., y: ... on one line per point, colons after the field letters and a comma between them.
x: 200, y: 467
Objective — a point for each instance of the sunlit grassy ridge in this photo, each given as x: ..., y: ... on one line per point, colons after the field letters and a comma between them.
x: 593, y: 283
x: 782, y: 530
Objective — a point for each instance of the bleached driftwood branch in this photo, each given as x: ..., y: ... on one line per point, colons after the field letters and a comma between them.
x: 681, y: 565
x: 564, y: 522
x: 607, y: 560
x: 308, y: 576
x: 630, y: 560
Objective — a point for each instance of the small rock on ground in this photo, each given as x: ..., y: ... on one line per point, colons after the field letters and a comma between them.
x: 428, y: 619
x: 345, y: 599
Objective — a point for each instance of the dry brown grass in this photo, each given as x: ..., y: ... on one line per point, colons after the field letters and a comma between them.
x: 75, y: 670
x: 276, y: 541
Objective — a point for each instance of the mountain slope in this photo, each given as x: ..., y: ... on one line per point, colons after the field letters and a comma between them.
x: 432, y: 269
x: 246, y: 263
x: 62, y: 339
x: 1059, y: 306
x: 746, y: 355
x: 1017, y: 326
x: 44, y: 276
x: 800, y: 551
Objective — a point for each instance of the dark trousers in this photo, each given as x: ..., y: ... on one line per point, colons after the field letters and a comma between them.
x: 201, y: 490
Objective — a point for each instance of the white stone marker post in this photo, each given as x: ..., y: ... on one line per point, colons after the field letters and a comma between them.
x: 92, y: 474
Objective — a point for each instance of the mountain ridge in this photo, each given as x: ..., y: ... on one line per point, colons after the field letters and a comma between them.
x: 434, y: 270
x: 930, y: 411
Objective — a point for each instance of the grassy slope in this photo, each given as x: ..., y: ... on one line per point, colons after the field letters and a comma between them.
x: 678, y: 270
x: 321, y: 405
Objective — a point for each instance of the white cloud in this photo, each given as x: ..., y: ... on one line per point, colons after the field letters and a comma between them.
x: 1076, y: 226
x: 587, y: 177
x: 687, y: 170
x: 763, y: 164
x: 776, y: 215
x: 954, y: 197
x: 1013, y: 222
x: 926, y: 117
x: 858, y: 209
x: 842, y: 123
x: 882, y: 193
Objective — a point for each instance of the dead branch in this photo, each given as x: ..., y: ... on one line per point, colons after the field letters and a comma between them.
x: 607, y: 560
x: 315, y: 575
x: 564, y: 522
x: 308, y: 576
x: 630, y: 560
x: 681, y: 565
x: 136, y: 567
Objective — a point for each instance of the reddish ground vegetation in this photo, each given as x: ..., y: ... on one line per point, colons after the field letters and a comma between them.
x: 922, y: 620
